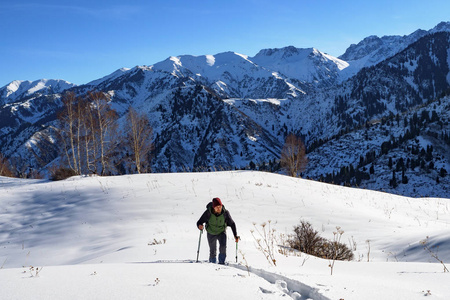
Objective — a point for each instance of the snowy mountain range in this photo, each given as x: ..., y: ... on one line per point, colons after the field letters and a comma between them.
x: 230, y: 110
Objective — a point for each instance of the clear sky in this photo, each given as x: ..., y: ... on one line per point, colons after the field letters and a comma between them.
x: 80, y: 41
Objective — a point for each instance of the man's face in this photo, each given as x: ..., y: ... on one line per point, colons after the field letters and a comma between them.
x: 218, y: 209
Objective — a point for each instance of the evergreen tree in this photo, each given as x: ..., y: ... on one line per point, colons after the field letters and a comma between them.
x: 393, y: 183
x: 400, y: 165
x: 404, y: 178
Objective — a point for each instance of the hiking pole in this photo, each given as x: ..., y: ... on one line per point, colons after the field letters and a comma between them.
x: 199, y: 240
x: 237, y: 239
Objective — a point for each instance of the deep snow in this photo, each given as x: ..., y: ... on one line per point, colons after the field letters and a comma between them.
x: 134, y: 237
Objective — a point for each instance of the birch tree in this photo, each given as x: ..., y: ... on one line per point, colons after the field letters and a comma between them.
x: 103, y: 126
x: 87, y: 130
x: 68, y: 129
x: 138, y: 138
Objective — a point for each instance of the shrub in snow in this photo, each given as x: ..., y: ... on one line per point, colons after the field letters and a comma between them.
x: 307, y: 240
x: 62, y: 173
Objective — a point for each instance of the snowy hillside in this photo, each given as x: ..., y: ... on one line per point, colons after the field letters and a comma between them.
x: 392, y: 147
x: 135, y: 237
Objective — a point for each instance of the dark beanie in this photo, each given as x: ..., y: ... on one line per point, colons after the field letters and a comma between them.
x: 216, y: 202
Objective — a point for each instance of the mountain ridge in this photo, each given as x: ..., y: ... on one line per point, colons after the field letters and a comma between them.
x: 354, y: 52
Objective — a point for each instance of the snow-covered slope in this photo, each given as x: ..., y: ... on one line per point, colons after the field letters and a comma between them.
x: 390, y: 149
x: 111, y: 76
x: 135, y: 237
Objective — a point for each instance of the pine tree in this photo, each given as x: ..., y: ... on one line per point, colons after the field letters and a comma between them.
x: 404, y: 178
x: 393, y: 183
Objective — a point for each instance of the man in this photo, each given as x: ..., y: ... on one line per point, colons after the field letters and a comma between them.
x: 217, y: 218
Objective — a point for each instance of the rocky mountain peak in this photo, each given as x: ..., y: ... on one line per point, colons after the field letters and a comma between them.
x: 282, y: 53
x: 443, y: 26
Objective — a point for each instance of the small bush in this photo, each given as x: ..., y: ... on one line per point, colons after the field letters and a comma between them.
x: 338, y: 251
x: 307, y: 240
x: 62, y: 173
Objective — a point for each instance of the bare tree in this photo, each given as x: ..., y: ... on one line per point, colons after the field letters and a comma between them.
x: 5, y: 167
x: 293, y: 155
x: 87, y: 130
x: 139, y: 134
x: 81, y: 133
x: 104, y: 117
x: 89, y: 138
x: 69, y: 126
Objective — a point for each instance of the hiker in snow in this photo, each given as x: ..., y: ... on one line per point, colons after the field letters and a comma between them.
x: 217, y: 218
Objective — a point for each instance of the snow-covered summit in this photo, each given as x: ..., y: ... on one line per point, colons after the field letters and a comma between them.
x: 363, y: 48
x: 230, y: 74
x: 212, y: 67
x: 283, y: 53
x: 19, y: 89
x: 111, y: 76
x: 374, y: 49
x: 310, y: 64
x: 443, y: 26
x: 307, y: 65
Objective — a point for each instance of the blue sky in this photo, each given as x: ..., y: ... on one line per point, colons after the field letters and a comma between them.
x: 80, y: 41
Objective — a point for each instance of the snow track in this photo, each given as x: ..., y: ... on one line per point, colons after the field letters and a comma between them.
x: 293, y: 288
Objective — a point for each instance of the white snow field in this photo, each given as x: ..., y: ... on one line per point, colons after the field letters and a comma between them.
x: 135, y: 237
